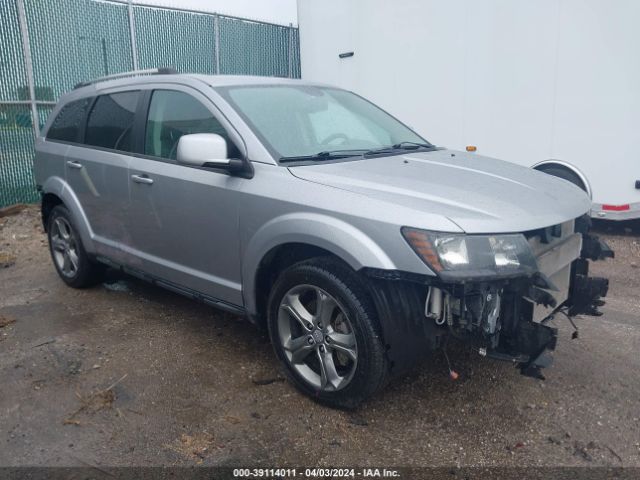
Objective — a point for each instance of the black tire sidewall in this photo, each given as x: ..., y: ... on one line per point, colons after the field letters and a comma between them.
x: 340, y: 283
x: 87, y: 271
x: 564, y: 174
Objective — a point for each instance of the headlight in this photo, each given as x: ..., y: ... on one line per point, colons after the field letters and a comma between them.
x: 459, y: 257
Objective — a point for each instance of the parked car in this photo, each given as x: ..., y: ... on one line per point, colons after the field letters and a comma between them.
x: 358, y: 244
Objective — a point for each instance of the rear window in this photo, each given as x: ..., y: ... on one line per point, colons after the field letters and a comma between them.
x: 66, y: 126
x: 110, y: 123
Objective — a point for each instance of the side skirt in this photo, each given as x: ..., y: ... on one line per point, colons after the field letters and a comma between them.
x: 182, y: 290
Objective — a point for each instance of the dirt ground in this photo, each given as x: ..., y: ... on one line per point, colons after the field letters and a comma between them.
x: 128, y: 374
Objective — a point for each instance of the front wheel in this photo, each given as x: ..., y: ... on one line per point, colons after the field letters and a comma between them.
x: 323, y: 327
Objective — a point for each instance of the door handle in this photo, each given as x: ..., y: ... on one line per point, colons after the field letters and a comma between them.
x: 74, y: 164
x: 142, y: 179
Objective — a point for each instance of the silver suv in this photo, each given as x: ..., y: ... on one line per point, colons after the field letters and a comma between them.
x: 358, y: 244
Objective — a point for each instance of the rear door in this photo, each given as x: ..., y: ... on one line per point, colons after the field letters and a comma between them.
x: 97, y: 169
x: 65, y: 130
x: 184, y: 220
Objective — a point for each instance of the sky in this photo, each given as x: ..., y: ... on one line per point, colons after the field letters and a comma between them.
x: 276, y: 11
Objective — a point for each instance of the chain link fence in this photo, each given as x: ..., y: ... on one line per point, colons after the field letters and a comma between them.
x: 48, y: 47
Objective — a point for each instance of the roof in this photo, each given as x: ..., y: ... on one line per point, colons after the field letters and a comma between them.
x: 237, y: 80
x: 212, y: 80
x: 95, y: 87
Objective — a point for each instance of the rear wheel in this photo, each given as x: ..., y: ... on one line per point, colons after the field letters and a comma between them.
x: 67, y: 252
x: 323, y: 328
x: 565, y: 174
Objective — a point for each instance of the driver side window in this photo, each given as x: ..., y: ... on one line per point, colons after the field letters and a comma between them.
x: 173, y: 114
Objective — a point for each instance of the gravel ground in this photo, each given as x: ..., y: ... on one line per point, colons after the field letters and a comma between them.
x: 128, y: 374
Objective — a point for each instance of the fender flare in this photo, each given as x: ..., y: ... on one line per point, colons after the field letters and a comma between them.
x: 568, y: 166
x: 59, y: 187
x: 345, y: 241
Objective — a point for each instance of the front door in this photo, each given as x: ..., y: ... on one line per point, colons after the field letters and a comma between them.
x: 184, y: 220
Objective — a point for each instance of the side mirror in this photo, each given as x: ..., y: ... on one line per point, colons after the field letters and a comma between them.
x: 200, y: 149
x: 209, y: 150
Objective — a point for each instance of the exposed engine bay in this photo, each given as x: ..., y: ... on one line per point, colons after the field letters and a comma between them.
x: 499, y: 318
x: 503, y: 318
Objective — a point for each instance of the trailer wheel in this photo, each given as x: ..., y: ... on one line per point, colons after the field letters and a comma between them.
x: 564, y: 173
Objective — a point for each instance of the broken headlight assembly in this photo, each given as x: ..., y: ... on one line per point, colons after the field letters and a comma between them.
x: 459, y: 257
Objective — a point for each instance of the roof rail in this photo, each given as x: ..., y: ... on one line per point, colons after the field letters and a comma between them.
x: 134, y: 73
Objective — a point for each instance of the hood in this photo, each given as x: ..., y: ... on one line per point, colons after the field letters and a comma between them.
x: 479, y: 194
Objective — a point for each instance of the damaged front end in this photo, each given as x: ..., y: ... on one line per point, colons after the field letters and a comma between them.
x: 494, y: 293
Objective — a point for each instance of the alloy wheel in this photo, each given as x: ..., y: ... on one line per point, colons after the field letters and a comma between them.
x: 318, y: 339
x: 64, y: 247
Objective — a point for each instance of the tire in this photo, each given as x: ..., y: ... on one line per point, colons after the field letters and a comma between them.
x: 349, y: 340
x: 69, y: 257
x: 565, y: 174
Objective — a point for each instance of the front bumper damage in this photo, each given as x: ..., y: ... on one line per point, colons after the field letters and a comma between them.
x: 504, y: 319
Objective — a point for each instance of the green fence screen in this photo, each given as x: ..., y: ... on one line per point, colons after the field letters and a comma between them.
x: 46, y: 47
x: 182, y: 40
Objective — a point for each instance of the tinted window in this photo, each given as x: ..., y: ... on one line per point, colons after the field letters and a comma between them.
x: 173, y: 114
x: 110, y: 123
x: 67, y: 124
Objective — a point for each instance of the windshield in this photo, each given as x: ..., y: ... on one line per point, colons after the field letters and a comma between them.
x: 318, y: 122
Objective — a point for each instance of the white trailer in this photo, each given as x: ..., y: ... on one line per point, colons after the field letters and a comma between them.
x: 550, y: 84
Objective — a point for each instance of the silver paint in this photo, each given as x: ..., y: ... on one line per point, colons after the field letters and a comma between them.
x: 209, y: 231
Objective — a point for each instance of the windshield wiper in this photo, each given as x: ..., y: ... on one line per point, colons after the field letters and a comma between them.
x: 413, y: 145
x: 345, y: 153
x: 325, y: 155
x: 400, y: 146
